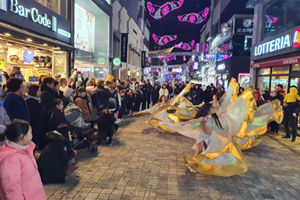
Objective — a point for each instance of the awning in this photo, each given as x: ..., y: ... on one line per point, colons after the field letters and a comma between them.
x: 277, y: 62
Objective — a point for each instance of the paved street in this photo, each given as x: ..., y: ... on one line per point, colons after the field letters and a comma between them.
x: 143, y: 164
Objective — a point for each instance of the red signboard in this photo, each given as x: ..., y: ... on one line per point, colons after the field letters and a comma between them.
x: 133, y: 79
x: 278, y: 62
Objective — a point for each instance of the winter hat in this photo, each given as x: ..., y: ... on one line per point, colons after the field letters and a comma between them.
x: 110, y: 78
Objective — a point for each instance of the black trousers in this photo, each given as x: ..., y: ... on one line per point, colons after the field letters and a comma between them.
x: 290, y: 122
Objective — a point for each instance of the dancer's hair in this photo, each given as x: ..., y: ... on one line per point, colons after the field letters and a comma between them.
x: 161, y: 97
x: 203, y: 111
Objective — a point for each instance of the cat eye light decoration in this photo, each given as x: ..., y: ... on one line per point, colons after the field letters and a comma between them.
x: 166, y: 59
x: 158, y: 12
x: 163, y: 40
x: 194, y: 18
x: 185, y: 46
x: 271, y: 19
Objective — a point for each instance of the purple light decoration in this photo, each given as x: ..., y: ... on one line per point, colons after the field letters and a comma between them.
x: 186, y: 46
x: 163, y: 40
x: 197, y: 47
x: 184, y: 58
x: 158, y: 12
x: 194, y: 18
x: 271, y: 19
x: 166, y: 58
x: 207, y: 47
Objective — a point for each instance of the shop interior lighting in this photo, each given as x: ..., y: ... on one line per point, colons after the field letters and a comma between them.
x: 44, y: 44
x: 28, y: 40
x: 56, y: 47
x: 9, y: 44
x: 7, y: 34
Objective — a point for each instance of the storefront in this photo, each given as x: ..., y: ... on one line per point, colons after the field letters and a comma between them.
x: 92, y: 24
x: 35, y: 38
x: 231, y: 51
x: 275, y: 55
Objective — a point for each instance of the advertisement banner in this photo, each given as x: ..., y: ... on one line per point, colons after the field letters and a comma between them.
x: 143, y: 59
x: 124, y: 47
x: 244, y: 26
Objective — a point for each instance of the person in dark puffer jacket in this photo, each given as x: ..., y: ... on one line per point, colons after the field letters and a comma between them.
x: 56, y: 156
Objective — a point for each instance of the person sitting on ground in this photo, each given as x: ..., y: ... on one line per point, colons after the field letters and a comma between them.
x: 57, y: 116
x: 82, y: 104
x: 14, y: 103
x: 19, y: 177
x: 56, y: 156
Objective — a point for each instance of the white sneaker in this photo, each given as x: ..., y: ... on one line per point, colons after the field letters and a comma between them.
x: 122, y: 119
x: 118, y: 121
x: 192, y: 170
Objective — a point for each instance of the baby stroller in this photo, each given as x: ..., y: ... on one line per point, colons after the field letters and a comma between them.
x: 83, y: 135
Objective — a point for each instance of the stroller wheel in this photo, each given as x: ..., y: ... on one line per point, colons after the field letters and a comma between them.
x: 93, y: 148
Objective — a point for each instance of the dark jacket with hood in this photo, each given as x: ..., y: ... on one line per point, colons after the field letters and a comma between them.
x: 53, y: 161
x: 47, y: 97
x: 101, y: 97
x: 16, y: 107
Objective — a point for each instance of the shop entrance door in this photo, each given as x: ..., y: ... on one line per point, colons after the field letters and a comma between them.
x: 295, y: 81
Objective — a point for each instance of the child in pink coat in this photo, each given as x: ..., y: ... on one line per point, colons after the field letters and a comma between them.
x: 19, y: 177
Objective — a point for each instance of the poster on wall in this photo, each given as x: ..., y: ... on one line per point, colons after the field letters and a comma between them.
x: 84, y: 30
x: 244, y: 80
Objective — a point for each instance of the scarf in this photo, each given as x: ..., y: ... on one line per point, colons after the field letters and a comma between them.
x: 33, y: 97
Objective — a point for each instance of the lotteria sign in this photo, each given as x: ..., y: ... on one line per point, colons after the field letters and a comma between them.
x: 273, y: 45
x: 288, y: 42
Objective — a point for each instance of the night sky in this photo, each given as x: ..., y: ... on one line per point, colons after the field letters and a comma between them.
x: 170, y: 25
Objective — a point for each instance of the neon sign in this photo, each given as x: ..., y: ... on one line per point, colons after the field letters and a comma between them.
x: 158, y: 12
x: 194, y: 18
x: 116, y: 61
x: 297, y: 38
x: 185, y: 46
x: 271, y: 19
x: 163, y: 40
x: 273, y: 45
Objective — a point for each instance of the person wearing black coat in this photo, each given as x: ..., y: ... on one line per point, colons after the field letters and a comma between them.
x: 54, y: 159
x: 207, y: 95
x: 155, y: 95
x: 130, y: 102
x: 57, y: 116
x: 274, y: 126
x: 38, y: 115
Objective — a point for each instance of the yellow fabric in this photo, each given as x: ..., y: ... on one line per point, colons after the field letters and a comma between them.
x: 238, y: 167
x: 292, y: 97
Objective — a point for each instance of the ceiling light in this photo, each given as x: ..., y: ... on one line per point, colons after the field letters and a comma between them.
x: 9, y: 44
x: 7, y: 34
x: 28, y: 40
x: 56, y: 47
x: 45, y: 44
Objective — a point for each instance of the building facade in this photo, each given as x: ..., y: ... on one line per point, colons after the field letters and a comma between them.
x: 93, y: 37
x: 276, y: 44
x: 130, y: 39
x: 36, y: 37
x: 225, y: 43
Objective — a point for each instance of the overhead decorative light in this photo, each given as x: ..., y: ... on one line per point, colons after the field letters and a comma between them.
x: 163, y: 40
x: 194, y: 18
x: 128, y: 73
x: 28, y: 40
x: 158, y: 12
x: 185, y: 46
x: 7, y: 34
x: 45, y: 44
x: 137, y: 73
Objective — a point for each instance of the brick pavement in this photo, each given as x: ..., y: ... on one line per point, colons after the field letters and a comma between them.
x: 143, y: 164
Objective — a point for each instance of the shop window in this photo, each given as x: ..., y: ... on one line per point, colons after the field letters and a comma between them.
x: 294, y: 82
x: 280, y: 16
x: 283, y: 80
x: 263, y: 83
x: 51, y: 4
x: 264, y: 71
x: 296, y: 67
x: 281, y: 70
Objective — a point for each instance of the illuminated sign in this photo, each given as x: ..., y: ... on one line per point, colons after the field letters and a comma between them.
x: 108, y: 1
x: 117, y: 61
x: 273, y: 45
x: 32, y: 13
x: 297, y: 38
x: 64, y: 33
x: 221, y: 67
x: 101, y: 61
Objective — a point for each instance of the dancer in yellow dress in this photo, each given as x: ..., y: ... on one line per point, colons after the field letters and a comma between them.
x: 216, y: 152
